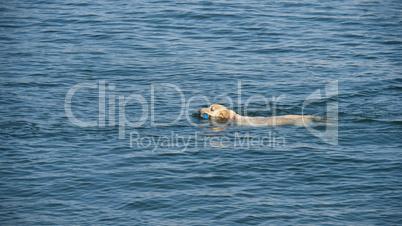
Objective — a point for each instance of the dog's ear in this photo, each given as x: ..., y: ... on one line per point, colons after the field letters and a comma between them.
x: 227, y: 114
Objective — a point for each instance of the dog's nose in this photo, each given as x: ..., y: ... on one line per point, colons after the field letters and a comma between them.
x: 199, y: 110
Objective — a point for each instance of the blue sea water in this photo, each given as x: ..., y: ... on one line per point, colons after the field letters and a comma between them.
x: 135, y: 73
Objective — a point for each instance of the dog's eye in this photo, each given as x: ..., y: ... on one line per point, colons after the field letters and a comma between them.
x: 212, y: 108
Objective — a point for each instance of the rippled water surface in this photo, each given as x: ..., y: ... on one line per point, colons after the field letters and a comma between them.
x: 141, y: 69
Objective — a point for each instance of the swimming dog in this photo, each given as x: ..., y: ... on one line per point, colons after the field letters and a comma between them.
x: 220, y: 112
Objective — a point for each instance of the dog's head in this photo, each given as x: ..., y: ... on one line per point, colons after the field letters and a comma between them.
x: 217, y: 111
